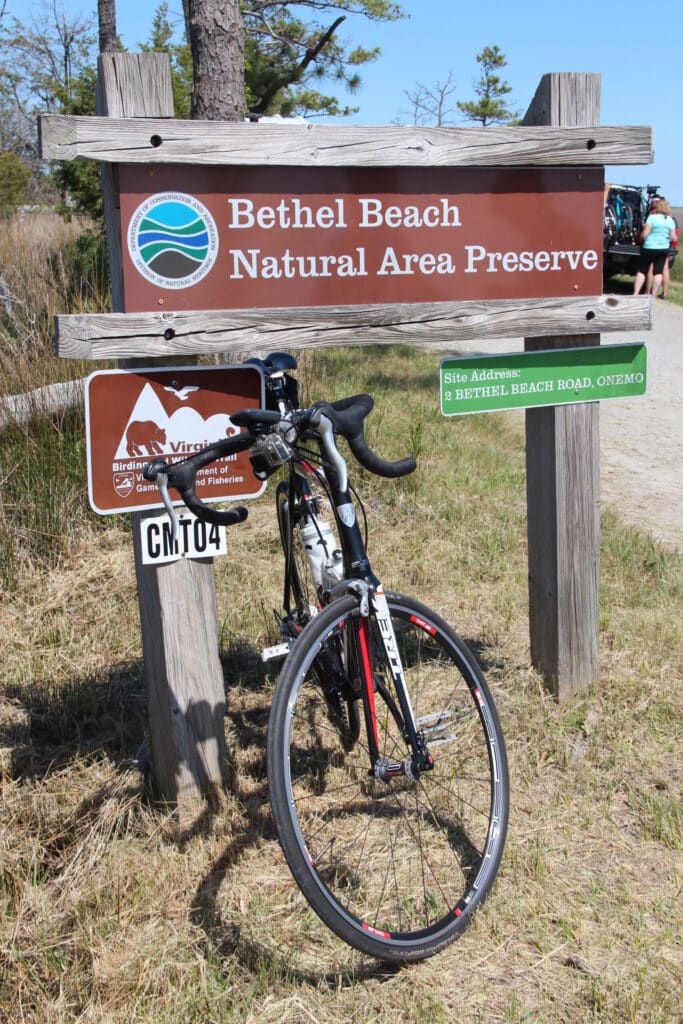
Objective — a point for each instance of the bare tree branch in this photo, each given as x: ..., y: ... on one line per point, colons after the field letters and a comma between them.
x: 430, y: 104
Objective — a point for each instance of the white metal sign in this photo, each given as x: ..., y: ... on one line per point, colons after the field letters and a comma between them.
x: 194, y: 539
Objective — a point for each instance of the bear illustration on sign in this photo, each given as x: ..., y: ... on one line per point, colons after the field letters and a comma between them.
x: 145, y: 438
x: 163, y: 421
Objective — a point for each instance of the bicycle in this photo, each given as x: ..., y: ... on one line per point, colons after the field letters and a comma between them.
x: 387, y: 769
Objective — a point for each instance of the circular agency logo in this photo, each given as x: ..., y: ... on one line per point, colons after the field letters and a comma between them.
x: 172, y: 240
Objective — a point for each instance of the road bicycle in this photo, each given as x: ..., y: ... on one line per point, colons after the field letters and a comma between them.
x: 386, y: 763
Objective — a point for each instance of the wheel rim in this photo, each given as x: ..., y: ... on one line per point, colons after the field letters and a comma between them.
x: 403, y: 861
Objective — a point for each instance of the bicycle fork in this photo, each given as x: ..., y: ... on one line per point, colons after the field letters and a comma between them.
x: 419, y: 760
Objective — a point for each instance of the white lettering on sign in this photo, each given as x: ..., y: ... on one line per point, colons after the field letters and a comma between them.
x: 479, y: 258
x: 252, y: 264
x: 615, y: 379
x: 195, y: 539
x: 415, y: 263
x: 294, y: 215
x: 375, y: 213
x: 290, y: 214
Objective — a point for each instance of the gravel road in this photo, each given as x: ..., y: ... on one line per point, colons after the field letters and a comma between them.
x: 641, y: 439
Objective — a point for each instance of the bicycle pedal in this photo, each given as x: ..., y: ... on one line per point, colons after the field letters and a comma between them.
x: 278, y: 651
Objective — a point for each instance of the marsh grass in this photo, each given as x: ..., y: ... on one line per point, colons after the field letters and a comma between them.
x: 47, y: 266
x: 114, y: 910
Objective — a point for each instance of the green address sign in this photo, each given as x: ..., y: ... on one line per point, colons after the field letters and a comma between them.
x: 524, y: 380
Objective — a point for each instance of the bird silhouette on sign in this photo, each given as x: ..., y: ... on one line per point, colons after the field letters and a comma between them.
x: 182, y: 393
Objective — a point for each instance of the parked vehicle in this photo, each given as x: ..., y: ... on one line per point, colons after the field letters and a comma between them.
x: 627, y: 207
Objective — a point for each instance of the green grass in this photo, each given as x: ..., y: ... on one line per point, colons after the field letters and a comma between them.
x: 676, y: 288
x: 47, y: 266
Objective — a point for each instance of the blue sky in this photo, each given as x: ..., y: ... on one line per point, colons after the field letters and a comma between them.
x: 635, y: 47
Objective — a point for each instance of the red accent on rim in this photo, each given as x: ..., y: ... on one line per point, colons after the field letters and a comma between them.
x: 423, y: 625
x: 376, y: 931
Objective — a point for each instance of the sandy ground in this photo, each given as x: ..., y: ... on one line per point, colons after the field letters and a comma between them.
x: 641, y: 439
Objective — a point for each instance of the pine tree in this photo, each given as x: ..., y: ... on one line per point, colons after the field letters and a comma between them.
x: 491, y: 107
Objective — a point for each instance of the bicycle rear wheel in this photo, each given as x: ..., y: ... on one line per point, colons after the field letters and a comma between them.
x: 302, y: 603
x: 397, y: 868
x: 301, y: 598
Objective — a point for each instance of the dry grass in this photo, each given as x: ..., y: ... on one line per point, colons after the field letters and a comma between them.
x: 42, y: 271
x: 111, y: 910
x: 34, y: 286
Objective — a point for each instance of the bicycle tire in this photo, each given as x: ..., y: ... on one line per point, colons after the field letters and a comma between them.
x: 300, y: 591
x: 611, y: 223
x: 395, y: 869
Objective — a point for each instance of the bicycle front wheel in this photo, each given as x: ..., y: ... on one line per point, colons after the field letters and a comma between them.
x: 396, y: 868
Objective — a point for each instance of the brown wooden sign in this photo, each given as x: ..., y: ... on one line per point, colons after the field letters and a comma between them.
x: 254, y: 238
x: 133, y: 417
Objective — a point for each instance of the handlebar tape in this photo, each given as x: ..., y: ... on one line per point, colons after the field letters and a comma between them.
x: 181, y: 476
x: 255, y: 418
x: 214, y: 515
x: 380, y: 467
x: 347, y: 415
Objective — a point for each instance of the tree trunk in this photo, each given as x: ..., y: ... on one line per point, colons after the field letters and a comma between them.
x: 106, y: 16
x: 215, y: 31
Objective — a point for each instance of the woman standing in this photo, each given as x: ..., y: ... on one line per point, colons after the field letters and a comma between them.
x: 657, y: 236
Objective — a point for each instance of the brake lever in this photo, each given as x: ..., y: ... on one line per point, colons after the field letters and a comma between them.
x: 326, y: 432
x: 162, y: 484
x: 157, y: 472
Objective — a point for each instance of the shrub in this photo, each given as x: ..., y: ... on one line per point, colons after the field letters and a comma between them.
x: 14, y: 179
x: 82, y: 268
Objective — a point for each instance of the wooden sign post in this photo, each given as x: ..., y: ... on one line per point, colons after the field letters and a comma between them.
x: 178, y: 613
x: 563, y: 474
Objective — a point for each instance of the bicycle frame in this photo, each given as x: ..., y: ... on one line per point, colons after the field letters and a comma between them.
x: 363, y: 583
x: 284, y: 429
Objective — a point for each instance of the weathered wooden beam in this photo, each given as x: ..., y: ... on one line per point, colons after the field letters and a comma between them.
x: 153, y: 335
x: 129, y: 87
x: 157, y: 140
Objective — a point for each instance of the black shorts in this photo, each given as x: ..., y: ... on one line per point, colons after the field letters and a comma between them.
x: 656, y: 257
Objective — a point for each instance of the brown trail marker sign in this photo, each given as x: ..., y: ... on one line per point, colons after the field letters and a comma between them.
x: 133, y: 417
x: 516, y: 285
